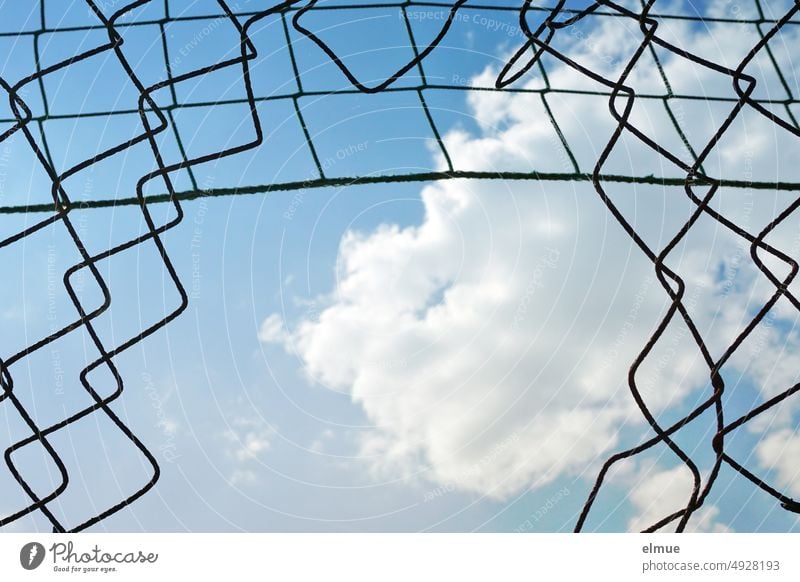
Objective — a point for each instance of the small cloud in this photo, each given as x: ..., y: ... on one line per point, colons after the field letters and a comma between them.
x: 779, y: 452
x: 169, y: 426
x: 656, y: 494
x: 318, y: 445
x: 272, y: 330
x: 243, y: 477
x: 245, y: 443
x: 249, y: 439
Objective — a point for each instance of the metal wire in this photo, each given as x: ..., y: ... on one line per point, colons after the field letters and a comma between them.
x: 699, y: 187
x: 295, y: 12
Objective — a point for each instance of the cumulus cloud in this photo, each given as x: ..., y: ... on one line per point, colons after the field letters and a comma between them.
x: 497, y: 328
x: 271, y: 329
x: 657, y: 493
x: 246, y: 441
x: 490, y: 343
x: 779, y: 452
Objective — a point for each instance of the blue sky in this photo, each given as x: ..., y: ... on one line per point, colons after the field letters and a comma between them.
x: 391, y: 357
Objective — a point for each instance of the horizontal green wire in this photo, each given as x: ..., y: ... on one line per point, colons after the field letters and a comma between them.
x: 324, y: 182
x: 420, y: 177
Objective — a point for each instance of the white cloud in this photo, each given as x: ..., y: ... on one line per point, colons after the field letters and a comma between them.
x: 512, y: 312
x: 780, y: 452
x: 655, y: 494
x: 245, y: 477
x: 271, y: 329
x: 246, y: 441
x: 319, y: 445
x: 502, y: 331
x: 245, y: 444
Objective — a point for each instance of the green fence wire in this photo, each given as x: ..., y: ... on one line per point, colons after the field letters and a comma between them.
x: 419, y: 89
x: 417, y: 83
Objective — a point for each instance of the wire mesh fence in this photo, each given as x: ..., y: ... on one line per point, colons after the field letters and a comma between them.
x: 161, y: 68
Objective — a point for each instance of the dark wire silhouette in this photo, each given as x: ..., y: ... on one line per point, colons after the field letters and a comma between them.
x: 62, y: 203
x: 694, y: 178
